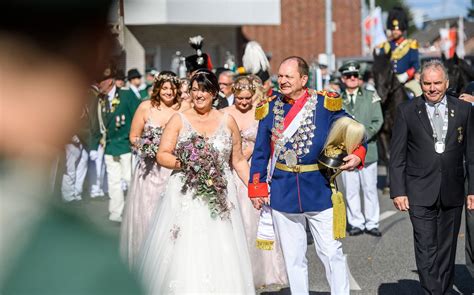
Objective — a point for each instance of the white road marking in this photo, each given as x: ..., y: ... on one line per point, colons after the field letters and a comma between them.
x: 353, y: 285
x: 387, y: 214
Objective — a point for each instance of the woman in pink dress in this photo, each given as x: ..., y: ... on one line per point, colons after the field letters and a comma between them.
x: 268, y: 266
x: 149, y: 179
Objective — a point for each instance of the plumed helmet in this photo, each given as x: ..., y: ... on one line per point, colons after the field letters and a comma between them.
x: 199, y: 60
x: 255, y: 61
x: 397, y: 19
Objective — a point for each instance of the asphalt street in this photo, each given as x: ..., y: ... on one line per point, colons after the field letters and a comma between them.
x: 384, y: 265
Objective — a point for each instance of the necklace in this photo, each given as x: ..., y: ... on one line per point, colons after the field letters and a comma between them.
x: 301, y: 140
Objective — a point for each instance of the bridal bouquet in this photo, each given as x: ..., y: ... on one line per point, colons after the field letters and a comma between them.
x: 147, y: 145
x: 204, y: 173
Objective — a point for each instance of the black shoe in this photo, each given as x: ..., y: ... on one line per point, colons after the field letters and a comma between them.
x: 374, y: 232
x: 355, y: 231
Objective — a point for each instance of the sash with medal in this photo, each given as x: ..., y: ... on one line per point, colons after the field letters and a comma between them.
x: 299, y: 119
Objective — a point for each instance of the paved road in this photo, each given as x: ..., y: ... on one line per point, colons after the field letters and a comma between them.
x: 383, y: 265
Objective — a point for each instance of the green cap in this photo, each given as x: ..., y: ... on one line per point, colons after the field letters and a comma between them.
x: 350, y: 67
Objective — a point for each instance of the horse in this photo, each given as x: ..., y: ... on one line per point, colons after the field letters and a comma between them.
x: 460, y: 74
x: 392, y: 93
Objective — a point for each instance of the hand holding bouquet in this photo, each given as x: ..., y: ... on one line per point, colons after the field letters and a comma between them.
x: 204, y: 174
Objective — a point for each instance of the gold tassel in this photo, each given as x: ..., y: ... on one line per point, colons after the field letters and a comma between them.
x: 264, y: 244
x: 261, y: 111
x: 339, y: 214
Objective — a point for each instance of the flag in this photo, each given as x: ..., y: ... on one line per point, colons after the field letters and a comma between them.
x: 374, y: 32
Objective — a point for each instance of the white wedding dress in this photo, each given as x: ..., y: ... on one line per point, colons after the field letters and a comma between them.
x: 189, y: 252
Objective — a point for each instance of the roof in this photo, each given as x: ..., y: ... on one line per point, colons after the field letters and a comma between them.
x: 430, y: 31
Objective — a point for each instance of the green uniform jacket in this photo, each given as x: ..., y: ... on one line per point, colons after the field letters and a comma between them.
x: 129, y: 92
x: 117, y: 121
x: 89, y: 124
x: 368, y: 111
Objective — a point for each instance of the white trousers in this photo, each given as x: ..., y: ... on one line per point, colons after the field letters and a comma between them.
x: 118, y: 168
x: 353, y: 182
x: 290, y: 229
x: 75, y: 174
x: 97, y: 174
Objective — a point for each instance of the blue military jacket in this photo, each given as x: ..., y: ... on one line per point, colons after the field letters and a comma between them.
x: 295, y: 192
x: 405, y: 56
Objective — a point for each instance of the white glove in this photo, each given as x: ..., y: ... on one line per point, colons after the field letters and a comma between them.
x: 402, y: 77
x: 93, y: 155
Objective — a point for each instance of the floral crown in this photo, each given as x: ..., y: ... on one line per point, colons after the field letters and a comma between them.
x: 244, y: 86
x: 167, y: 77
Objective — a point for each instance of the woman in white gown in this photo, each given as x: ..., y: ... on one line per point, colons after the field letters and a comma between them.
x: 187, y: 250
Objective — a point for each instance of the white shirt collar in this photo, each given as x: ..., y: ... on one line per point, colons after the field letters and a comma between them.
x: 111, y: 93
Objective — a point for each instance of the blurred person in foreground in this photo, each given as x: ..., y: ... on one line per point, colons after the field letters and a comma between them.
x: 433, y: 138
x: 47, y: 64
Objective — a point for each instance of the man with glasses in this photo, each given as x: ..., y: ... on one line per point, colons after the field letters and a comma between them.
x: 226, y: 81
x: 364, y: 106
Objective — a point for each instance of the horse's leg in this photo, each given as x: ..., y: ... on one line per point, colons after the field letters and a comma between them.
x: 384, y: 154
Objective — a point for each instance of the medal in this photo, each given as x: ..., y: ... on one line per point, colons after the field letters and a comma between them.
x: 439, y: 147
x: 290, y: 158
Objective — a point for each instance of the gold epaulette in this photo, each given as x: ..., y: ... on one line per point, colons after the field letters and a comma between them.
x: 263, y: 107
x: 332, y: 100
x: 386, y: 46
x: 413, y: 44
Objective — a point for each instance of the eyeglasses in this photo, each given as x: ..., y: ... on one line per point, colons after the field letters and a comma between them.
x: 225, y: 84
x: 348, y: 76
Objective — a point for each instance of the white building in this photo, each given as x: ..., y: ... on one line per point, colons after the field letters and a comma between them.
x: 155, y: 29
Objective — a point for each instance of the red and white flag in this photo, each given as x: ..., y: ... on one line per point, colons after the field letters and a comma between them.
x: 374, y: 32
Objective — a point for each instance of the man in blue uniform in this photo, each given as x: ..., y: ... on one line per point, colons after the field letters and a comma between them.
x: 405, y: 56
x: 291, y: 137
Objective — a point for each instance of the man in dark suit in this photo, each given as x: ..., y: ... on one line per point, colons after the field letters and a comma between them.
x: 432, y: 136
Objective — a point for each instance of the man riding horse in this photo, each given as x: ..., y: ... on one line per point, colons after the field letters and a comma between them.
x: 404, y: 52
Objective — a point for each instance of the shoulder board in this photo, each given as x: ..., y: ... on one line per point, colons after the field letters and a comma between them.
x: 263, y: 108
x: 386, y: 46
x: 413, y: 44
x: 375, y: 97
x: 332, y: 100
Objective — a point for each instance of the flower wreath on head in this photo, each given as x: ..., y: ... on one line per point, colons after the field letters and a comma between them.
x: 244, y: 86
x: 166, y: 77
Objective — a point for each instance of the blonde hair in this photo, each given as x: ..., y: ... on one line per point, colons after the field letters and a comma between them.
x: 346, y: 131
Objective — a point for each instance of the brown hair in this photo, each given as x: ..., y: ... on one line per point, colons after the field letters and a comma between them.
x: 303, y: 67
x: 160, y: 80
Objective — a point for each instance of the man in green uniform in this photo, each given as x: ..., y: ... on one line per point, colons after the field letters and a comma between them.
x: 136, y: 88
x: 115, y: 118
x: 364, y: 106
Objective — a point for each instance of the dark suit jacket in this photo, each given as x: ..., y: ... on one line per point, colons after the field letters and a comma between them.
x: 416, y: 170
x: 220, y: 102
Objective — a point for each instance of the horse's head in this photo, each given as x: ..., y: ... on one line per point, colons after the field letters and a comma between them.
x: 460, y: 73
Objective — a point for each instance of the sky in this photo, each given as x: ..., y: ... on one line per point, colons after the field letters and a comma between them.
x: 435, y: 9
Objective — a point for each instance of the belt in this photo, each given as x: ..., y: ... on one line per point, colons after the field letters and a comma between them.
x: 297, y: 168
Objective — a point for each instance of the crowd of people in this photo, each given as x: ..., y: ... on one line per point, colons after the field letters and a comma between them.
x: 216, y: 177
